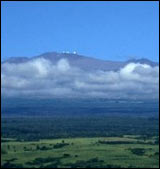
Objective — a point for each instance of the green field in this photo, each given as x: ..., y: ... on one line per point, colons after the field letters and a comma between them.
x: 100, y: 152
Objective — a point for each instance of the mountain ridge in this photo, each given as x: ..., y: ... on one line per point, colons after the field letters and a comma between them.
x: 81, y: 61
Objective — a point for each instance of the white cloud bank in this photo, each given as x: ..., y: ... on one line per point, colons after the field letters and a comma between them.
x: 40, y: 78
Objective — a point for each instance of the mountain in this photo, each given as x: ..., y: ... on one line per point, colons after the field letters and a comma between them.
x: 83, y: 62
x: 143, y: 61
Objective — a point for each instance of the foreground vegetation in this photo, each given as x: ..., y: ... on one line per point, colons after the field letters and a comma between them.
x: 102, y: 152
x: 80, y: 142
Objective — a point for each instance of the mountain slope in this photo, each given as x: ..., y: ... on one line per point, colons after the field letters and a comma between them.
x: 83, y: 62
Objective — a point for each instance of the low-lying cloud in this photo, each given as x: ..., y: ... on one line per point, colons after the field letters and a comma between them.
x: 40, y: 78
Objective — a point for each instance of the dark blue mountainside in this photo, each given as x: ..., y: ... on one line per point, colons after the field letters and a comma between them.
x: 28, y: 107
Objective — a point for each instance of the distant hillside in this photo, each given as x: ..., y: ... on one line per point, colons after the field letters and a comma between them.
x: 83, y: 62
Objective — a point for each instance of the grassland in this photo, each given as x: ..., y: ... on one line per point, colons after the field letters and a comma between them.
x: 101, y: 152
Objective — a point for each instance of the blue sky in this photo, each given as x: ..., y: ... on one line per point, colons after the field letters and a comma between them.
x: 104, y: 30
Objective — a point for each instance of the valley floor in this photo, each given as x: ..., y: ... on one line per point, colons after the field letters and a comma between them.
x: 102, y: 152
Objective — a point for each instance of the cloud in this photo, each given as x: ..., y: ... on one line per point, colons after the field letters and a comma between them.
x: 40, y: 78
